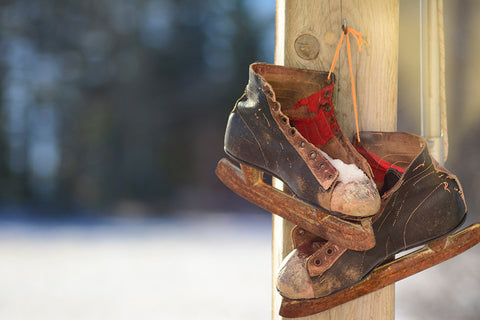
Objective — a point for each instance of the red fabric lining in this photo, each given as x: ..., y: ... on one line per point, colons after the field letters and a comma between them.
x: 378, y: 165
x: 320, y: 129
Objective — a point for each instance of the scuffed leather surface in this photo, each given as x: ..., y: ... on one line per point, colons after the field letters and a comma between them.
x: 254, y: 135
x: 426, y: 203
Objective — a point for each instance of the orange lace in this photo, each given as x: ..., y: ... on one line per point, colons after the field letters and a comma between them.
x: 358, y: 37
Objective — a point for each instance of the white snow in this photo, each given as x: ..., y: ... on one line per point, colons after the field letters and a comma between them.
x: 346, y: 172
x: 200, y: 267
x: 211, y: 267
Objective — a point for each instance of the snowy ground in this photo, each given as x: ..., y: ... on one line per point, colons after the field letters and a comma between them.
x: 197, y: 267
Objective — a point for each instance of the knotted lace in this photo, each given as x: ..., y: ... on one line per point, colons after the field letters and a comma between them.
x: 358, y: 37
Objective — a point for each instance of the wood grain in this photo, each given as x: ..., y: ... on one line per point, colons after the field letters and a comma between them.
x: 375, y: 73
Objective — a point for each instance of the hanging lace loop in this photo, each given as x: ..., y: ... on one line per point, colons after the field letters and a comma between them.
x: 358, y: 37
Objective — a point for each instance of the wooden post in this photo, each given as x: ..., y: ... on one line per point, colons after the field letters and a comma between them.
x: 307, y: 33
x: 432, y: 79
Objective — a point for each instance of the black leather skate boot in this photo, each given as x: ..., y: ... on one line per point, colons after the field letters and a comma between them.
x: 422, y: 202
x: 261, y: 133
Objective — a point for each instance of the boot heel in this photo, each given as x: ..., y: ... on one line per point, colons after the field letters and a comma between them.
x: 251, y: 175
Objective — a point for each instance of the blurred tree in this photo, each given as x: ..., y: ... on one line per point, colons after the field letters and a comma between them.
x: 106, y: 101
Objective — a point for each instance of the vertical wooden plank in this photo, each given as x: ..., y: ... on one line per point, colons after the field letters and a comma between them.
x: 307, y: 33
x: 432, y: 79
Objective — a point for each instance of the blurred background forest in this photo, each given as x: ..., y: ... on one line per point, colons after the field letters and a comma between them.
x: 116, y: 110
x: 120, y: 106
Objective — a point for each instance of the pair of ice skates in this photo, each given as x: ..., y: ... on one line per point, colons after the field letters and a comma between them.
x: 355, y: 205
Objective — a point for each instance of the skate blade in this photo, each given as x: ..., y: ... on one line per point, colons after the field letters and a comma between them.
x: 428, y: 256
x: 248, y: 183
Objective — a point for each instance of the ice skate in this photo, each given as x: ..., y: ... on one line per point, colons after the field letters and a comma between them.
x: 422, y: 203
x: 268, y: 132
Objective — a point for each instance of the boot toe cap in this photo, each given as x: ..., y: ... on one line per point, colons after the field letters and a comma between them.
x: 293, y: 281
x: 356, y: 198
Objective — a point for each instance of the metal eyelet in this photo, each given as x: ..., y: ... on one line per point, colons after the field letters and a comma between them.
x: 313, y: 155
x: 267, y: 91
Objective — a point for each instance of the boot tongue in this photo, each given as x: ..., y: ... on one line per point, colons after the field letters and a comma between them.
x: 318, y: 123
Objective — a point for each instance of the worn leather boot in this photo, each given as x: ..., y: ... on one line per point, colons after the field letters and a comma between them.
x: 262, y: 133
x: 421, y: 202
